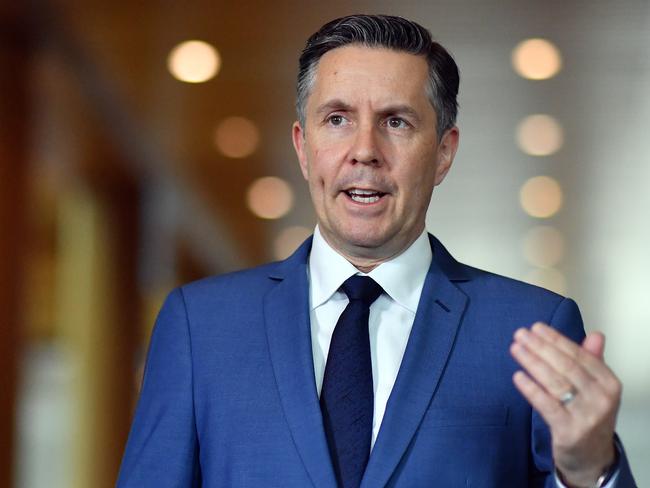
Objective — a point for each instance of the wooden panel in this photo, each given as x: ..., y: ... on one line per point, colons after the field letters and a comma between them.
x: 14, y: 108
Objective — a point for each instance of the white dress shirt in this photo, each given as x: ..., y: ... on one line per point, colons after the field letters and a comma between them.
x: 391, y: 315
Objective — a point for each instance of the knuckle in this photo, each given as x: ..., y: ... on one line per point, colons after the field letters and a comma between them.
x: 553, y: 336
x: 603, y: 406
x: 570, y: 365
x: 612, y: 386
x: 616, y: 387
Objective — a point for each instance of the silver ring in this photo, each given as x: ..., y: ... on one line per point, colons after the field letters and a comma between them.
x: 568, y: 397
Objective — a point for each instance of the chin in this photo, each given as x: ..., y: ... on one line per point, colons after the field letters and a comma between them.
x: 364, y: 238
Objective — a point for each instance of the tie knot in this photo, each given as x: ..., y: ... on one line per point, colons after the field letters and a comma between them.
x: 362, y: 288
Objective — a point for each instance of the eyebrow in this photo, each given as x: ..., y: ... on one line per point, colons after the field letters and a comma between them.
x: 398, y: 109
x: 335, y: 104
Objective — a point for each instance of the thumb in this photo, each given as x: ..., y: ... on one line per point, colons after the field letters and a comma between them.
x: 595, y: 344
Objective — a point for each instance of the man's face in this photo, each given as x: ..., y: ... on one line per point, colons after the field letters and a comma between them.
x: 369, y: 150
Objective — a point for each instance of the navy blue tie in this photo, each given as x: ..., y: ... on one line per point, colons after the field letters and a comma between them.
x: 346, y: 398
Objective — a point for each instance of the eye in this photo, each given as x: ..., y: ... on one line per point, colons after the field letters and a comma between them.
x: 336, y: 120
x: 397, y: 123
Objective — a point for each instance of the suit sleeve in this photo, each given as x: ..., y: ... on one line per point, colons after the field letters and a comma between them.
x: 162, y: 449
x: 566, y: 319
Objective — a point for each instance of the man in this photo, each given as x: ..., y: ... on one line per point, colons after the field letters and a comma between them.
x: 371, y: 357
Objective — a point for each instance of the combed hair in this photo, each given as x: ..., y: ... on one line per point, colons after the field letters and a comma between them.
x: 390, y: 32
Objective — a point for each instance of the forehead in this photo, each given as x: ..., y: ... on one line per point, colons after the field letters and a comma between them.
x: 358, y: 73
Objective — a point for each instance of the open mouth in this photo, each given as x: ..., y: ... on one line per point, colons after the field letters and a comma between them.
x: 364, y: 196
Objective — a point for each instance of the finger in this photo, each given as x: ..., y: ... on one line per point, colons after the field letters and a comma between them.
x: 553, y: 336
x: 547, y: 406
x: 552, y: 368
x: 594, y: 365
x: 539, y: 370
x: 595, y: 344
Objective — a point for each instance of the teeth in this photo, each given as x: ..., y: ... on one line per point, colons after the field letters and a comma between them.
x: 364, y: 199
x: 364, y: 196
x: 362, y: 192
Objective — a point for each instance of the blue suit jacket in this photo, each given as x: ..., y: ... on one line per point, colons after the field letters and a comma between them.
x: 229, y: 398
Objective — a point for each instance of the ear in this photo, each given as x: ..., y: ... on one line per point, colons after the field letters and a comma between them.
x: 446, y: 153
x: 298, y: 137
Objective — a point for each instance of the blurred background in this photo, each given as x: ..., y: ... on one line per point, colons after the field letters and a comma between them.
x: 145, y: 144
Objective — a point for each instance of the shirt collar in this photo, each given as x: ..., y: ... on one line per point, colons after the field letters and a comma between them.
x: 402, y: 278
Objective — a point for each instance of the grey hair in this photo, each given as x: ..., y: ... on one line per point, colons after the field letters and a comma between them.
x: 390, y: 32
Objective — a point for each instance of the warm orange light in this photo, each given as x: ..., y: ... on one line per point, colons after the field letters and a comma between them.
x: 539, y: 135
x: 541, y: 196
x: 288, y: 240
x: 194, y: 61
x: 270, y: 197
x: 543, y: 246
x: 536, y: 59
x: 237, y: 137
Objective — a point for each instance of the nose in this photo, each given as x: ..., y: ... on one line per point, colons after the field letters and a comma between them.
x: 365, y: 149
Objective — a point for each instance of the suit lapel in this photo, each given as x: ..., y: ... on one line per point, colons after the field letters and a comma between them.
x: 432, y: 337
x: 286, y: 313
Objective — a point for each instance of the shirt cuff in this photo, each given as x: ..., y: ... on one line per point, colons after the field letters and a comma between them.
x: 611, y: 483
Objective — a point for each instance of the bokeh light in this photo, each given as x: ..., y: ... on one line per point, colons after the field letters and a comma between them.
x: 536, y: 59
x: 194, y: 61
x: 269, y: 197
x: 288, y: 240
x: 543, y: 246
x: 237, y: 137
x: 539, y: 135
x: 549, y: 278
x: 541, y: 196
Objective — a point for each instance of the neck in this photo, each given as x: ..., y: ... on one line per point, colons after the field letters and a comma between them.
x: 367, y: 259
x: 366, y: 267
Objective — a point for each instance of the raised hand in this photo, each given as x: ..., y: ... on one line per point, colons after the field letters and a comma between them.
x: 577, y: 395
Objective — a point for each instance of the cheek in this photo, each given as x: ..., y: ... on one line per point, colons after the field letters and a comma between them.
x: 409, y: 168
x: 417, y: 183
x: 323, y: 169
